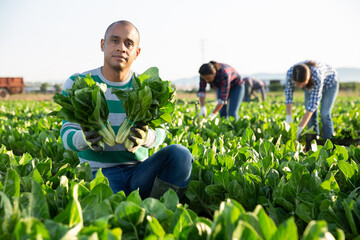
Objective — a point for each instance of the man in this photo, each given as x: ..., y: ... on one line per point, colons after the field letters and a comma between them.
x: 252, y: 85
x: 127, y: 169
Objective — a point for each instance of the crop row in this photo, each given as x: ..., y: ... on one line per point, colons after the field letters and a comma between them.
x: 250, y: 179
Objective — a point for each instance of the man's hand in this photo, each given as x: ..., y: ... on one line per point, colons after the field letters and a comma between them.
x: 298, y: 132
x: 288, y: 119
x: 202, y: 111
x: 137, y: 137
x: 93, y: 139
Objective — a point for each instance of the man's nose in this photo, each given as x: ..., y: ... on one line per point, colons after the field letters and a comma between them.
x: 121, y: 47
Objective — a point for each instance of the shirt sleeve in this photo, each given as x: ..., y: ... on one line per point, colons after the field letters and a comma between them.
x: 316, y: 93
x: 71, y: 133
x: 202, y: 88
x: 289, y: 87
x: 155, y: 137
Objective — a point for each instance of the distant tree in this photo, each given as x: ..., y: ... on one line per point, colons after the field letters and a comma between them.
x: 57, y: 87
x: 43, y: 87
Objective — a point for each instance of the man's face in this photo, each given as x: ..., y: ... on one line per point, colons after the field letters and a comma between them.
x: 120, y: 47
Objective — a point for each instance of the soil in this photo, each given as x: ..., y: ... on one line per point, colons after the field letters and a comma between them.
x: 30, y: 96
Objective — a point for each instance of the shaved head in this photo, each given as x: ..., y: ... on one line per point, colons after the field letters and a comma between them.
x: 122, y: 22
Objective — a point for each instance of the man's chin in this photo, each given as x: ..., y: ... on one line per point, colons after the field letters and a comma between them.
x: 118, y: 67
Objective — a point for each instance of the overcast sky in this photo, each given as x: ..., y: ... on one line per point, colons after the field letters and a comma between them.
x: 47, y: 40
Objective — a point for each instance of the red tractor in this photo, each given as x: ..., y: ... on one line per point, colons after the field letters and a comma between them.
x: 11, y: 85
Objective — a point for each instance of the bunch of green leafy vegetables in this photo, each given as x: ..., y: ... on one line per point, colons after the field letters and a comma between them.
x: 150, y: 101
x: 86, y: 105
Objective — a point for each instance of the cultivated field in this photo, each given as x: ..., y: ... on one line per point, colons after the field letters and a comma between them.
x: 251, y: 178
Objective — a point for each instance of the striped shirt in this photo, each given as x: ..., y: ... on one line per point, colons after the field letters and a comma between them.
x: 225, y: 78
x: 323, y: 75
x: 115, y: 155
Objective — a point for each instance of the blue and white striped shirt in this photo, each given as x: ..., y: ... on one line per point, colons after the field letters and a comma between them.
x: 323, y: 75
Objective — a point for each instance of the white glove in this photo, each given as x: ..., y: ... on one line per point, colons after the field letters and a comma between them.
x: 137, y: 137
x: 202, y: 111
x: 211, y: 116
x: 298, y: 132
x: 288, y: 119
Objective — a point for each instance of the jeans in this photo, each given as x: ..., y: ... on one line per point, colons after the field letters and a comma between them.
x: 236, y: 96
x: 172, y: 164
x: 247, y: 92
x: 326, y: 105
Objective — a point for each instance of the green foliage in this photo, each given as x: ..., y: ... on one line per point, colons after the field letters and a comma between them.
x: 150, y: 101
x: 86, y: 105
x: 251, y: 179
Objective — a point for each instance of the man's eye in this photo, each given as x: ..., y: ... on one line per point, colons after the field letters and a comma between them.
x: 129, y: 44
x: 114, y: 40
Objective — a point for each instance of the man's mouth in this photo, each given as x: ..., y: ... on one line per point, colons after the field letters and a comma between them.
x: 120, y: 58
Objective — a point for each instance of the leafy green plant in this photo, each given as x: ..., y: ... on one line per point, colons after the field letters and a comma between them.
x: 86, y: 105
x: 150, y: 101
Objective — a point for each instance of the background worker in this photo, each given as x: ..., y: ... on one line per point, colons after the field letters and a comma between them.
x: 320, y: 82
x: 127, y: 169
x: 252, y: 85
x: 230, y: 90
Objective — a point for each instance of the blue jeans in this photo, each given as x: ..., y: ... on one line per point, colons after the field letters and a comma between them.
x: 247, y: 92
x: 236, y: 96
x: 326, y: 105
x: 172, y: 164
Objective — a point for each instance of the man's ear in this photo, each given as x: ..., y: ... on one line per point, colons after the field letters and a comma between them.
x: 102, y: 42
x: 138, y: 52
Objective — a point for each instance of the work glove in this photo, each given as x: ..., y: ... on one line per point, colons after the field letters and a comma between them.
x: 138, y: 135
x: 202, y: 111
x: 298, y: 132
x: 211, y: 116
x: 288, y: 119
x: 93, y: 139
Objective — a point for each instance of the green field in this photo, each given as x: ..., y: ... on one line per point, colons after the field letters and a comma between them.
x: 251, y: 179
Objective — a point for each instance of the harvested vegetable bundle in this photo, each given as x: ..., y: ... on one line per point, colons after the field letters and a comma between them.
x: 86, y: 105
x: 151, y: 102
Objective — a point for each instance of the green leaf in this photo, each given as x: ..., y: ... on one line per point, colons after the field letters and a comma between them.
x: 102, y: 191
x: 154, y: 208
x: 129, y: 215
x: 170, y: 199
x: 267, y: 225
x: 179, y: 221
x: 99, y: 178
x: 349, y: 216
x: 30, y: 228
x: 134, y: 197
x: 317, y: 230
x: 286, y: 230
x: 346, y: 169
x: 12, y: 184
x: 155, y: 227
x: 304, y: 212
x: 75, y: 216
x: 38, y: 206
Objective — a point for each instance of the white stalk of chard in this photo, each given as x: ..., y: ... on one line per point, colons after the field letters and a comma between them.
x: 108, y: 134
x: 123, y: 131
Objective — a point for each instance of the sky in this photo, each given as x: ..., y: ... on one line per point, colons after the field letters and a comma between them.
x: 49, y: 40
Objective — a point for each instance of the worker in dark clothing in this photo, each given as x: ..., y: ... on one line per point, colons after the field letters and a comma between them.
x: 252, y: 85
